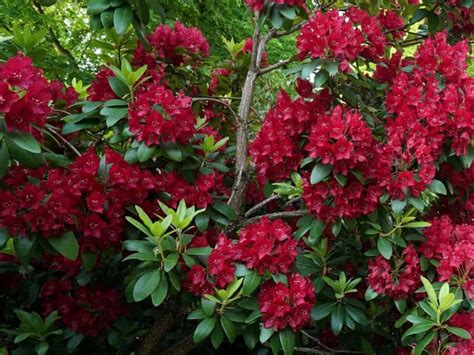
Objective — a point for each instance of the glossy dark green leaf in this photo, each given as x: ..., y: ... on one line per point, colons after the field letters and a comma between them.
x: 160, y: 292
x: 204, y: 329
x: 229, y: 328
x: 287, y: 341
x: 319, y: 173
x: 4, y: 159
x: 25, y: 141
x: 66, y: 245
x: 385, y: 248
x: 146, y: 284
x: 122, y: 18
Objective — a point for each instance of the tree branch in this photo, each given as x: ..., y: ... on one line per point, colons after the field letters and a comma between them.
x: 272, y: 67
x: 295, y: 28
x: 261, y: 204
x: 62, y: 139
x: 213, y: 99
x: 325, y: 347
x: 274, y: 215
x: 59, y: 47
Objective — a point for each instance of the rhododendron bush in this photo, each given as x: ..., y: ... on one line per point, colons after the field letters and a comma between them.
x: 156, y: 212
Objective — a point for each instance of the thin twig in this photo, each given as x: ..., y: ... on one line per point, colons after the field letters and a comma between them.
x: 64, y: 140
x: 261, y: 204
x: 327, y: 348
x: 295, y: 28
x: 277, y: 65
x: 284, y: 214
x: 213, y: 99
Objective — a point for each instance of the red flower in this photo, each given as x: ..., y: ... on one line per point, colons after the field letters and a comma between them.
x: 398, y: 283
x: 282, y: 306
x: 177, y: 45
x: 100, y: 90
x: 267, y: 245
x: 158, y: 116
x: 196, y: 283
x: 222, y: 261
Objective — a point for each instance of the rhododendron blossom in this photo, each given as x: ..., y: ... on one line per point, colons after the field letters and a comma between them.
x: 267, y: 245
x: 286, y: 306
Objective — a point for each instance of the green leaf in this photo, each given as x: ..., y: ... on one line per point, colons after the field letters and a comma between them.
x: 419, y: 328
x: 225, y: 209
x: 251, y: 283
x: 322, y: 310
x: 276, y: 18
x: 202, y: 221
x: 229, y: 328
x: 170, y: 262
x: 462, y: 333
x: 118, y: 86
x: 217, y: 336
x: 438, y: 187
x: 398, y: 206
x: 89, y: 260
x: 370, y: 294
x: 146, y: 284
x: 337, y: 319
x: 161, y: 291
x: 122, y: 18
x: 4, y: 160
x: 203, y: 251
x: 204, y: 329
x: 287, y: 341
x: 22, y: 336
x: 429, y: 290
x: 423, y: 343
x: 145, y: 152
x: 208, y: 306
x: 95, y: 7
x: 196, y: 314
x: 419, y: 224
x: 25, y: 141
x: 265, y: 334
x: 66, y: 245
x: 42, y: 348
x: 289, y: 12
x: 401, y: 305
x: 319, y: 173
x: 320, y: 78
x: 385, y: 248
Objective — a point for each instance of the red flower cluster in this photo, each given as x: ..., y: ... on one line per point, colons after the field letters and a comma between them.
x: 196, y: 282
x: 26, y: 96
x: 391, y: 22
x: 465, y: 321
x: 197, y: 194
x: 275, y: 150
x: 453, y: 246
x: 257, y: 5
x: 341, y: 139
x: 178, y: 45
x: 222, y: 261
x: 329, y: 200
x: 399, y: 282
x: 100, y: 90
x: 85, y: 310
x: 75, y: 199
x: 436, y: 96
x: 341, y: 36
x: 282, y: 306
x: 158, y: 116
x: 267, y: 246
